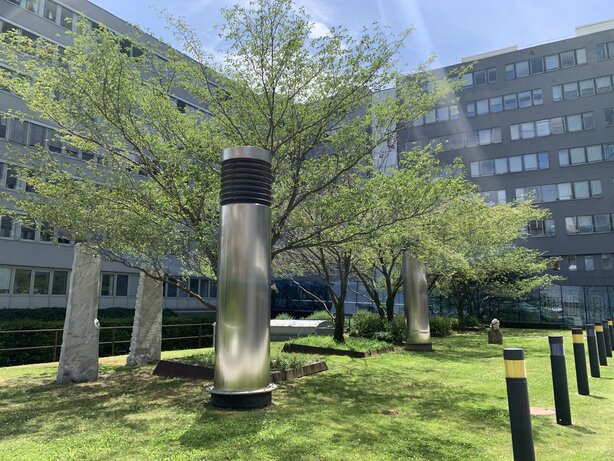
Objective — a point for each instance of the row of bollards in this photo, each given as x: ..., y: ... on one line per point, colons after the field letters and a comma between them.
x: 600, y: 340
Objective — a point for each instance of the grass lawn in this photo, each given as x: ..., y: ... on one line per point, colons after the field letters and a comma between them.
x: 446, y: 405
x: 350, y: 344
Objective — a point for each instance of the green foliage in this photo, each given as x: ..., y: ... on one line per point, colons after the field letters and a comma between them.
x: 397, y: 328
x: 318, y: 315
x: 284, y: 316
x: 441, y: 326
x: 280, y: 361
x: 365, y: 324
x: 469, y: 321
x: 350, y: 344
x: 38, y: 319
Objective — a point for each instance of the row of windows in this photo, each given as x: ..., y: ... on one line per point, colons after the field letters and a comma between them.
x: 552, y: 126
x: 589, y: 224
x: 33, y: 134
x: 507, y: 102
x: 494, y: 197
x: 469, y: 139
x: 204, y: 287
x: 33, y: 281
x: 545, y: 64
x: 512, y: 164
x: 561, y: 191
x: 480, y: 77
x: 589, y: 262
x: 586, y: 154
x: 605, y: 51
x: 582, y: 88
x: 51, y: 11
x: 540, y: 228
x: 10, y: 229
x: 439, y: 114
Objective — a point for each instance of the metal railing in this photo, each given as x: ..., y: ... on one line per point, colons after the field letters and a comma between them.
x: 57, y: 332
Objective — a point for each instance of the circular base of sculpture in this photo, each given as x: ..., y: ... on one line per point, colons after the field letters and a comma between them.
x: 242, y: 400
x: 424, y: 347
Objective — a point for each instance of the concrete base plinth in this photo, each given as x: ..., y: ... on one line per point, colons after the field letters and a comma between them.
x: 247, y: 400
x: 426, y: 347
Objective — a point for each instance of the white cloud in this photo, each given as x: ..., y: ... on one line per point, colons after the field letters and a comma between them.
x: 319, y: 29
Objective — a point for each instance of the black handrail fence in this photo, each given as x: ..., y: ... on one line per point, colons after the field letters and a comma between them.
x: 114, y: 340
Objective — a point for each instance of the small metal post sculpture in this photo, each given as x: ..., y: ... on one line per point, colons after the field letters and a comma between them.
x: 416, y: 303
x: 607, y: 338
x: 593, y: 354
x: 580, y: 360
x: 559, y: 381
x: 242, y: 375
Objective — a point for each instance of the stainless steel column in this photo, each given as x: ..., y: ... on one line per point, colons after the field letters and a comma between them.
x: 242, y: 375
x: 416, y: 305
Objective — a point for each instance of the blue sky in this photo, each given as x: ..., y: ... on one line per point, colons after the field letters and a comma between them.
x: 449, y: 28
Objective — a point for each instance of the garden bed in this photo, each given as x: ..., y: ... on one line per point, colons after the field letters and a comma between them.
x: 352, y: 347
x: 283, y: 367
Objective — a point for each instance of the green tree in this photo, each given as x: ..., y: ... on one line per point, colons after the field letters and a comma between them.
x: 307, y: 100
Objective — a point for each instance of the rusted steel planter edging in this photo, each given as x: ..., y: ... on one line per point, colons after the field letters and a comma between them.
x: 288, y: 347
x: 183, y: 370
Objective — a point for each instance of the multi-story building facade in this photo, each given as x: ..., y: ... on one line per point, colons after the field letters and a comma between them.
x: 34, y: 264
x: 539, y: 121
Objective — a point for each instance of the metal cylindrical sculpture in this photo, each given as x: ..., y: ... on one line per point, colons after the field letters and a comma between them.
x: 518, y: 404
x: 242, y: 350
x: 607, y: 338
x: 559, y: 381
x: 611, y: 326
x: 593, y: 354
x: 579, y: 356
x: 416, y: 302
x: 603, y: 358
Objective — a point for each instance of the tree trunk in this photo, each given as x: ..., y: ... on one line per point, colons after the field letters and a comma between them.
x: 390, y: 307
x: 459, y: 307
x: 339, y: 323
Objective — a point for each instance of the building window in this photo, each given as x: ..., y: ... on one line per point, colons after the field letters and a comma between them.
x: 537, y: 65
x: 509, y: 72
x: 571, y: 263
x: 609, y: 116
x: 589, y: 263
x: 106, y: 288
x: 552, y: 62
x: 6, y: 227
x: 41, y: 283
x: 50, y: 11
x: 5, y: 280
x: 19, y: 132
x: 570, y: 90
x: 27, y: 232
x: 603, y: 84
x: 66, y: 18
x: 22, y: 281
x: 522, y: 69
x: 510, y: 102
x: 602, y: 52
x: 568, y: 59
x: 479, y: 77
x: 60, y: 282
x: 587, y: 88
x: 541, y: 228
x: 492, y: 75
x: 37, y: 135
x: 121, y: 285
x: 606, y: 262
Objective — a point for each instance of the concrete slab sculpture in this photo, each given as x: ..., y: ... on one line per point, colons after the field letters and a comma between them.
x: 146, y: 340
x: 416, y: 304
x: 80, y: 342
x: 242, y: 339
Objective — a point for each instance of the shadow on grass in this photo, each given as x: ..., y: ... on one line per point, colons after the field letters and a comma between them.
x: 48, y: 409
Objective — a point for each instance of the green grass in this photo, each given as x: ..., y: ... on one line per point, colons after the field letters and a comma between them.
x: 279, y: 361
x: 351, y: 343
x: 447, y: 405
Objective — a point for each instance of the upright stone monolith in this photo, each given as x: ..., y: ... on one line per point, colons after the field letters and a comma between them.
x: 416, y: 301
x: 79, y: 354
x: 146, y: 341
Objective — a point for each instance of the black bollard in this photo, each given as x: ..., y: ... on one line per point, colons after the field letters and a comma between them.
x: 518, y: 404
x: 611, y: 326
x: 559, y: 381
x: 607, y: 338
x: 593, y: 355
x: 579, y: 356
x: 603, y: 359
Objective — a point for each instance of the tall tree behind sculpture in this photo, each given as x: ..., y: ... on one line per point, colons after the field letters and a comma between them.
x: 80, y: 342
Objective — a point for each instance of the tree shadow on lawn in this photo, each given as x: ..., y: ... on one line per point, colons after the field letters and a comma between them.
x: 359, y: 409
x: 46, y: 410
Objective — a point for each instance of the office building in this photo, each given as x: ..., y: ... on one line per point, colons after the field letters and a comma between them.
x: 539, y: 121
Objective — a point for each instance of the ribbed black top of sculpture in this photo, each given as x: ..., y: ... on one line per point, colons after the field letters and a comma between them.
x: 246, y: 180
